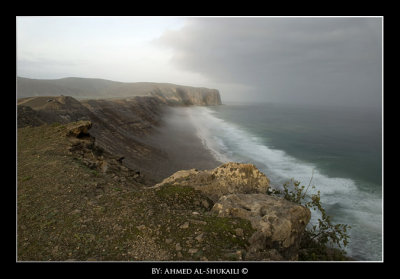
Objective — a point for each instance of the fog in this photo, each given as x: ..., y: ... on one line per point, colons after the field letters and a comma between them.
x: 331, y: 61
x: 334, y: 61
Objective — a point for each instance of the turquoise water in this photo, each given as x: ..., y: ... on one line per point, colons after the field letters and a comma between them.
x: 340, y: 148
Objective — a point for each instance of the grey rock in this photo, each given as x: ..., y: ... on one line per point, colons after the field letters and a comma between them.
x: 168, y: 240
x: 184, y: 226
x: 279, y: 223
x: 239, y: 231
x: 229, y: 178
x: 193, y: 250
x: 199, y: 238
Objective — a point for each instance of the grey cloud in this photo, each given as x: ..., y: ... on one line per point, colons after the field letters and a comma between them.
x: 45, y: 68
x: 329, y: 60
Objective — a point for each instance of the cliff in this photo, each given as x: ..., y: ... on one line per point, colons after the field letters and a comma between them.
x: 185, y: 95
x: 87, y: 88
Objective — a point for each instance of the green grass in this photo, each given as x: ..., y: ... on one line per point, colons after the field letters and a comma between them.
x: 219, y: 240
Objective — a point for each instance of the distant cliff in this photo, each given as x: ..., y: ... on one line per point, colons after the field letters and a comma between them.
x: 185, y: 95
x: 88, y: 88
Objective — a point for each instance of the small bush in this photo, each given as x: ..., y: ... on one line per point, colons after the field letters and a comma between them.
x: 318, y: 240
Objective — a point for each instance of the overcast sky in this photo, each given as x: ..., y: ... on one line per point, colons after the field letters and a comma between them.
x: 334, y: 60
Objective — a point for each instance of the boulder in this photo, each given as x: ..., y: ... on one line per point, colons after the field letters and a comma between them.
x: 79, y: 129
x: 279, y: 224
x: 229, y: 178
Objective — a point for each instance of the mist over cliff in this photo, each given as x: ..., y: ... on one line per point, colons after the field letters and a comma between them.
x: 88, y: 88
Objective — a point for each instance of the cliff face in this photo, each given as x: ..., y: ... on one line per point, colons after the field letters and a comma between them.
x: 185, y: 95
x: 119, y: 125
x: 88, y: 88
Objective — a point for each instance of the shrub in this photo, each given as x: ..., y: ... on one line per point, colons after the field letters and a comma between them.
x: 317, y: 238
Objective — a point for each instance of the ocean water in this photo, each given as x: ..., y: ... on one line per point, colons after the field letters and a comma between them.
x: 340, y: 148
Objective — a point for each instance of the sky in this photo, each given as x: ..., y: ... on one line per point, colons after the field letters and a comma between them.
x: 315, y: 60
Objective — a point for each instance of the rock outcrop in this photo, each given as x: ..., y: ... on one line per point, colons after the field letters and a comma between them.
x: 80, y: 129
x: 227, y: 179
x: 240, y: 190
x: 279, y: 223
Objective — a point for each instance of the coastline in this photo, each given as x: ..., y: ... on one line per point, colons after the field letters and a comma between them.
x: 160, y: 140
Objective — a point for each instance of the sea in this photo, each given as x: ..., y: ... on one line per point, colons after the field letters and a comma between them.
x: 336, y: 149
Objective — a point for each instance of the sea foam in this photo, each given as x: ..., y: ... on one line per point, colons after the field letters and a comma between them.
x: 230, y: 142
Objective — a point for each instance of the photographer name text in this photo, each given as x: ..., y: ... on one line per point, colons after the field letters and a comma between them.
x: 205, y: 271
